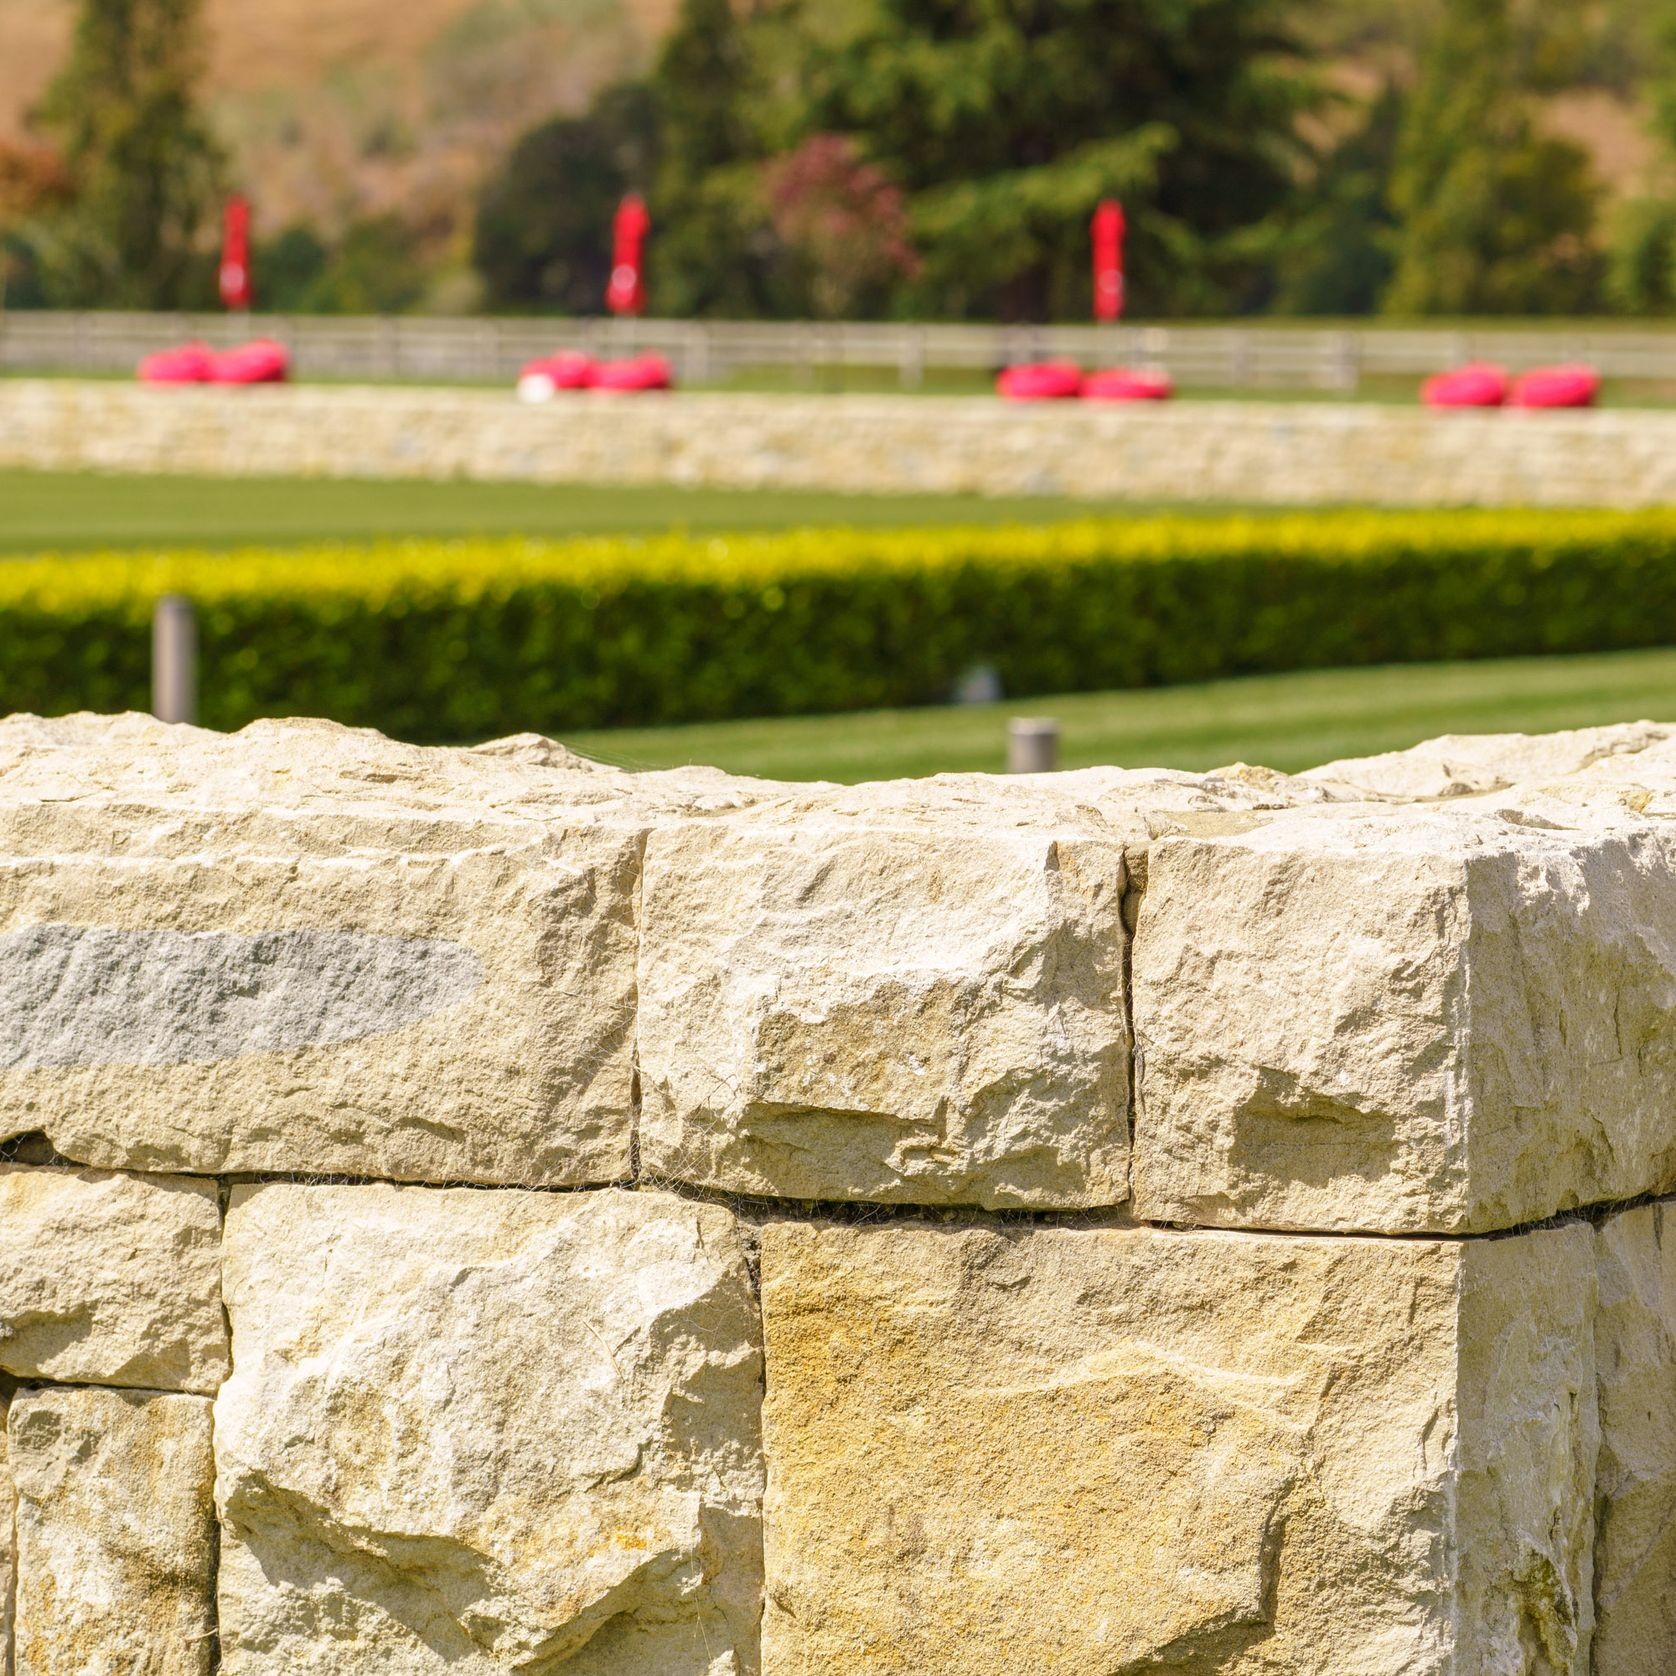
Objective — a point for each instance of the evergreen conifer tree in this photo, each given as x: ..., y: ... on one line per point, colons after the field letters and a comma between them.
x: 713, y: 250
x: 1494, y: 217
x: 1340, y: 261
x: 144, y: 166
x: 1006, y: 121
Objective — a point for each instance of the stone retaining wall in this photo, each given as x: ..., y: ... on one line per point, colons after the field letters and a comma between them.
x: 481, y: 1212
x: 1246, y: 452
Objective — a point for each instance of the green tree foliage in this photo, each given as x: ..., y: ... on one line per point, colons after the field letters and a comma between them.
x: 1341, y: 257
x: 378, y: 268
x: 1642, y: 275
x: 288, y: 267
x: 1495, y: 217
x: 543, y: 235
x: 145, y: 168
x: 1007, y: 120
x: 713, y: 250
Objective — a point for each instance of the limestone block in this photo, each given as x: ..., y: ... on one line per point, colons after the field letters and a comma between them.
x: 305, y: 948
x: 8, y: 1539
x: 1635, y: 1555
x: 111, y: 1279
x: 1458, y: 765
x: 910, y: 993
x: 1126, y: 1449
x: 1404, y: 1019
x: 488, y: 1432
x: 115, y: 1533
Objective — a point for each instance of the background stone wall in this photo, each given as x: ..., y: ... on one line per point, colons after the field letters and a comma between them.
x: 482, y: 1212
x: 1242, y: 452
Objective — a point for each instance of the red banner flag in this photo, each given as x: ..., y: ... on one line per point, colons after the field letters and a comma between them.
x: 235, y: 255
x: 1109, y: 230
x: 626, y: 294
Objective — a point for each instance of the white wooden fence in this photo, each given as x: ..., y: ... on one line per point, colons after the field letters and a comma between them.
x: 420, y: 349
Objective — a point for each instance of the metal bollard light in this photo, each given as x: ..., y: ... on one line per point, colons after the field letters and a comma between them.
x: 1032, y: 745
x: 174, y: 660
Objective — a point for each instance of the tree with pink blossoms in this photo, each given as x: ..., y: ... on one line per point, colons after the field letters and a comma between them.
x: 844, y: 220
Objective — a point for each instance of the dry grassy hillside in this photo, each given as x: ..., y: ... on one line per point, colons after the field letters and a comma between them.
x: 338, y: 107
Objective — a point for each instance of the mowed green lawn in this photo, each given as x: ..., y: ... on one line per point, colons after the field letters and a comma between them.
x: 1288, y: 722
x: 68, y: 511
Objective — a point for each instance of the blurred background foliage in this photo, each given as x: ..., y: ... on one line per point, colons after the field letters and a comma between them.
x: 875, y: 158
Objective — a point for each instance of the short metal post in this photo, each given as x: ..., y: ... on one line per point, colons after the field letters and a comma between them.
x: 174, y: 660
x: 1032, y: 745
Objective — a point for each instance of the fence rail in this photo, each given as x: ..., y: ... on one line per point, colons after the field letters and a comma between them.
x: 420, y: 349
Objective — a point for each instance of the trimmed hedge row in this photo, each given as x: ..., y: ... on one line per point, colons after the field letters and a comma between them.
x: 462, y: 640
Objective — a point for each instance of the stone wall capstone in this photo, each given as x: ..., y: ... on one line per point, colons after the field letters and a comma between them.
x: 483, y: 1212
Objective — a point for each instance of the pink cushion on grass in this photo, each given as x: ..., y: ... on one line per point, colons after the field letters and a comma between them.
x: 643, y: 372
x: 1475, y: 385
x: 1126, y: 384
x: 189, y: 363
x: 259, y: 362
x: 1575, y: 386
x: 1040, y: 381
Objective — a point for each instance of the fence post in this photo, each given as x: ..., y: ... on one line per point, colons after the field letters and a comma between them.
x: 174, y: 660
x: 1347, y: 374
x: 911, y: 364
x: 1242, y: 359
x: 1032, y: 745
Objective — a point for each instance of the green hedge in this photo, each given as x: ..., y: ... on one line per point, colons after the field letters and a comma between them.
x: 461, y: 640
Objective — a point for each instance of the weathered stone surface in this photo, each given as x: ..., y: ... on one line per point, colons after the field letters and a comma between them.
x: 115, y: 1533
x: 1635, y: 1554
x: 1463, y: 765
x: 111, y: 1279
x: 488, y: 1432
x: 8, y: 1537
x: 1246, y: 452
x: 306, y: 948
x: 1404, y: 1019
x: 1520, y: 1536
x: 910, y: 993
x: 1124, y: 1450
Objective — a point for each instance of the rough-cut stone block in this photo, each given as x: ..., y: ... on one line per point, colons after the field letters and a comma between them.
x: 1404, y: 1020
x: 111, y: 1279
x: 1123, y: 1450
x: 485, y: 1432
x: 8, y: 1538
x: 904, y: 993
x: 115, y: 1533
x: 1635, y: 1554
x: 1465, y: 765
x: 306, y: 948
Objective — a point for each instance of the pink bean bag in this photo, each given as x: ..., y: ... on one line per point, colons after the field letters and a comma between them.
x: 572, y: 370
x: 1475, y: 385
x: 1575, y: 386
x: 568, y: 370
x: 190, y: 363
x: 259, y: 362
x: 642, y: 373
x: 1125, y: 384
x: 1040, y: 381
